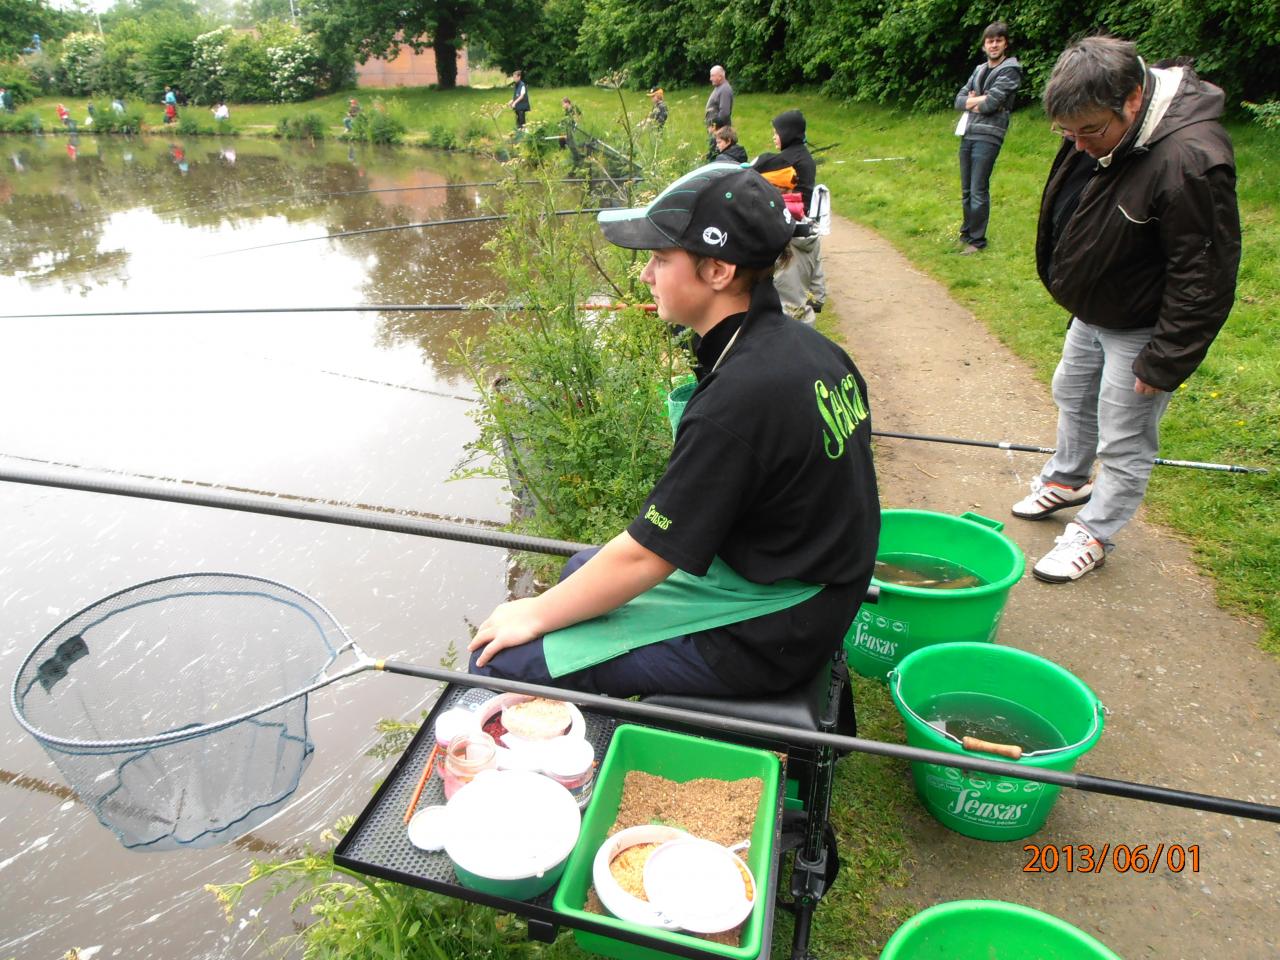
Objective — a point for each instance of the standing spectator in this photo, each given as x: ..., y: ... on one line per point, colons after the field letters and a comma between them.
x: 64, y: 116
x: 170, y: 104
x: 221, y: 111
x: 90, y: 113
x: 6, y: 100
x: 728, y: 150
x: 353, y: 111
x: 719, y: 111
x: 658, y: 114
x: 986, y: 102
x: 1139, y: 238
x: 572, y: 112
x: 802, y: 283
x: 117, y: 106
x: 519, y: 98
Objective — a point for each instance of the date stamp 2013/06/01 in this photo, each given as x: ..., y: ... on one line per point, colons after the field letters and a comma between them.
x: 1118, y: 857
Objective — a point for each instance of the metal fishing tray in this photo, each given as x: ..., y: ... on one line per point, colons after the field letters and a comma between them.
x: 378, y: 842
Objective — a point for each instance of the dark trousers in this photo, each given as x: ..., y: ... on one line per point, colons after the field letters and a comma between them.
x: 520, y: 115
x: 670, y: 666
x: 977, y: 160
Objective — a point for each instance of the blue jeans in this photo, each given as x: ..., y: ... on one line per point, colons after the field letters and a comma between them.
x: 977, y: 160
x: 670, y: 666
x: 1101, y: 416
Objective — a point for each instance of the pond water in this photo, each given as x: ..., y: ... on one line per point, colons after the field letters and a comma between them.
x: 352, y: 407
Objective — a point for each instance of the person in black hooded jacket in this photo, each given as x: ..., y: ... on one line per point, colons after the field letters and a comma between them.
x: 802, y: 285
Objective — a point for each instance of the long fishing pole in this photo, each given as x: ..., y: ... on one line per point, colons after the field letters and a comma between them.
x: 801, y: 737
x: 74, y: 479
x: 487, y: 218
x: 352, y: 308
x: 278, y: 505
x: 431, y: 186
x: 1031, y: 448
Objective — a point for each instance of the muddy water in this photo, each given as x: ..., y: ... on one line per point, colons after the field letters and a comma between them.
x: 354, y: 407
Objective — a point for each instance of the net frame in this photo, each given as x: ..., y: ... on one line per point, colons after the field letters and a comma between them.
x: 195, y: 784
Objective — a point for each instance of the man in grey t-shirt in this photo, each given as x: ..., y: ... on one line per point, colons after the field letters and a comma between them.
x: 719, y: 112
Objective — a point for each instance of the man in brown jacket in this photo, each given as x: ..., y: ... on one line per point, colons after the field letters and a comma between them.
x: 1139, y: 238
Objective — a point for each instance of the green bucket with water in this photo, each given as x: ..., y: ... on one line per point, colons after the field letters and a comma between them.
x: 907, y: 617
x: 1043, y: 708
x: 677, y: 400
x: 982, y: 929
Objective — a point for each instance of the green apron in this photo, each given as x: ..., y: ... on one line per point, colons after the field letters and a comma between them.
x: 680, y: 605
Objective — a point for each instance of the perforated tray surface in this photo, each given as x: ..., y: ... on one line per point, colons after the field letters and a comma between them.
x: 378, y: 842
x: 379, y: 839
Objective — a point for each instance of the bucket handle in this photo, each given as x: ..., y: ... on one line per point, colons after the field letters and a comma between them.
x: 895, y: 678
x: 995, y: 525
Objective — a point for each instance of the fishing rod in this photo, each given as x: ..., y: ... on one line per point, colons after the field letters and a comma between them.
x: 195, y: 494
x: 1030, y: 448
x: 75, y: 479
x: 353, y: 308
x: 487, y: 218
x: 432, y: 186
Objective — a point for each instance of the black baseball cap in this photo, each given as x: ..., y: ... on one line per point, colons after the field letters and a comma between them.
x: 720, y: 210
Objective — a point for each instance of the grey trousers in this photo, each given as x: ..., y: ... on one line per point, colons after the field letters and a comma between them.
x: 1101, y: 417
x: 803, y: 278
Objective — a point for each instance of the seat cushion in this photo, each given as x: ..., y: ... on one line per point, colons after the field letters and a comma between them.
x: 802, y: 706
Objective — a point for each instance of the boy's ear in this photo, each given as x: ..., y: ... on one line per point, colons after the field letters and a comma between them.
x: 718, y: 273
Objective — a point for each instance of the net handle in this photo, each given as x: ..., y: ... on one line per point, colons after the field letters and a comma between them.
x: 1098, y: 710
x: 363, y: 663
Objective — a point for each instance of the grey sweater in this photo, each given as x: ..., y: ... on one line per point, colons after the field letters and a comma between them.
x: 991, y: 122
x: 719, y: 112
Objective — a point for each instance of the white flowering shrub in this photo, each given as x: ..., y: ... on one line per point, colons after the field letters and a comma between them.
x: 209, y: 62
x: 295, y: 68
x: 80, y: 63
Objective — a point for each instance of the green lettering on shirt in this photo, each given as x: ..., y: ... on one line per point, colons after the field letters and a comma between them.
x: 841, y: 409
x: 657, y: 519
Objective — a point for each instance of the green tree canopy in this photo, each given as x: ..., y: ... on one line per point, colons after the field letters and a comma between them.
x: 19, y: 19
x: 375, y: 28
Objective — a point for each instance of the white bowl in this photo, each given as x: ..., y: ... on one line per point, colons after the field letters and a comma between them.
x: 698, y: 884
x: 495, y: 706
x: 617, y: 901
x: 510, y: 824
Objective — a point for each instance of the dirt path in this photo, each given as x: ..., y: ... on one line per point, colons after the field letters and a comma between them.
x: 1194, y: 704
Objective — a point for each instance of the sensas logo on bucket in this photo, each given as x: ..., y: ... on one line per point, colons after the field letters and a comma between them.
x: 997, y: 803
x: 878, y: 636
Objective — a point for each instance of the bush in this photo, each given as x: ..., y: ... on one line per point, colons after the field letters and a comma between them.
x: 1267, y: 114
x: 16, y: 78
x: 306, y: 126
x: 28, y: 121
x: 248, y: 74
x: 122, y: 69
x: 378, y: 126
x: 80, y: 66
x: 188, y: 126
x: 442, y: 137
x: 295, y: 68
x: 209, y: 64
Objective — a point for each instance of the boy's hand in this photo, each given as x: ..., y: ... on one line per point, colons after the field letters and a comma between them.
x: 510, y: 625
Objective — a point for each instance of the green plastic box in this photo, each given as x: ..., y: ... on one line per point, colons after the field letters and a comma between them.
x: 678, y: 757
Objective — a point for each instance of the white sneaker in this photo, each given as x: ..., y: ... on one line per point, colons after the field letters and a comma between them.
x: 1046, y: 498
x: 1077, y: 552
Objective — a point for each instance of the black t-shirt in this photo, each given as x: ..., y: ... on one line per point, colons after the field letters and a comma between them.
x: 772, y: 472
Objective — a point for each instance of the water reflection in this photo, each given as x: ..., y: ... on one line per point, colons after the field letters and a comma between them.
x: 295, y: 403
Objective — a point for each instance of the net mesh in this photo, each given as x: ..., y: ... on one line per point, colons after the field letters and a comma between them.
x: 139, y: 700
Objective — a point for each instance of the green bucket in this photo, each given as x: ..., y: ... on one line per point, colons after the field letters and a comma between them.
x: 982, y: 929
x: 998, y: 680
x: 907, y: 618
x: 677, y: 400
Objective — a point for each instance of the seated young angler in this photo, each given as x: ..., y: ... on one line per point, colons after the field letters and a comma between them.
x: 751, y: 555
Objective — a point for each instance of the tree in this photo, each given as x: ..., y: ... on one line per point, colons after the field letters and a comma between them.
x: 376, y: 28
x: 19, y: 19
